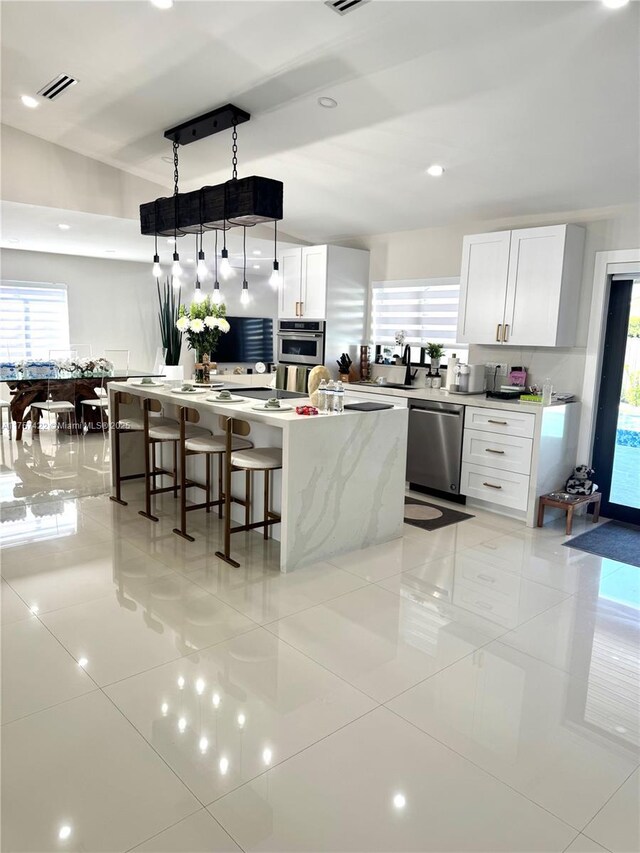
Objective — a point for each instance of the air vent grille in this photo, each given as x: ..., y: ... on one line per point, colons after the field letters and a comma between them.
x: 57, y: 86
x: 343, y: 7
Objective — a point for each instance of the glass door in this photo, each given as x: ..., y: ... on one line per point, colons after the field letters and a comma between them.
x: 616, y: 456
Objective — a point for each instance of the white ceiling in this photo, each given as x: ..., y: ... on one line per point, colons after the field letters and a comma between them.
x: 25, y: 226
x: 532, y: 107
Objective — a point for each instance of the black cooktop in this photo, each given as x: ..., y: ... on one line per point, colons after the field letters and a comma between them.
x: 264, y: 393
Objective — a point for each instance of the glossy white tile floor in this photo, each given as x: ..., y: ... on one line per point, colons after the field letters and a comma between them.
x: 471, y: 689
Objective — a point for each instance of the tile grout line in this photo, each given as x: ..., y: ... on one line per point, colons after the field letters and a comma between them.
x: 593, y: 816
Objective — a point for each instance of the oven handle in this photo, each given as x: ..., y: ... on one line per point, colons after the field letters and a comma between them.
x: 300, y: 335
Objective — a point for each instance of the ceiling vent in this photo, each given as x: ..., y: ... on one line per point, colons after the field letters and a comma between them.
x: 57, y: 86
x: 342, y: 7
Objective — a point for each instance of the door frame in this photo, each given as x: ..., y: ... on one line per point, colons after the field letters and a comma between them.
x: 607, y: 264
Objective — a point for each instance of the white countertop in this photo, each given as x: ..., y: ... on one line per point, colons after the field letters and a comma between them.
x: 421, y: 393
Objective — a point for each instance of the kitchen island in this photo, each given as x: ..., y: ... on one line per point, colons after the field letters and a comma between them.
x: 342, y: 481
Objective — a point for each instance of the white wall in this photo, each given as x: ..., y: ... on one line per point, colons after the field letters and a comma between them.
x: 435, y: 252
x: 114, y: 304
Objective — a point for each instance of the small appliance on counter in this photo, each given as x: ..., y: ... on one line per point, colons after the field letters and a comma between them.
x: 469, y: 379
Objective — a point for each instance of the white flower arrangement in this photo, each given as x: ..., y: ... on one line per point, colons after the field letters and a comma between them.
x: 217, y: 323
x: 183, y: 324
x: 197, y: 325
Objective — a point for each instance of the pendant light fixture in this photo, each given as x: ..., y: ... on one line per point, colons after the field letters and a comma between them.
x: 216, y: 296
x: 244, y: 296
x: 156, y: 269
x: 202, y: 270
x: 176, y: 269
x: 198, y: 295
x: 226, y: 269
x: 275, y: 279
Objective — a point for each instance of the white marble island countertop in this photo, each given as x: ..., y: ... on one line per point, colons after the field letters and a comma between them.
x: 343, y: 476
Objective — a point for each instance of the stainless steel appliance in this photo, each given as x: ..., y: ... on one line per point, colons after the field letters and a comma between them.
x: 301, y: 342
x: 469, y: 379
x: 434, y: 450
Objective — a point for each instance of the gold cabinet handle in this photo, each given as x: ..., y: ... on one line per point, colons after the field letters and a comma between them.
x: 297, y: 303
x: 505, y: 334
x: 301, y: 309
x: 498, y: 332
x: 491, y: 450
x: 492, y: 485
x: 502, y: 423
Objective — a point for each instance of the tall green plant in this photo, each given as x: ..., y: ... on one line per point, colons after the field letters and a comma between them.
x: 169, y: 302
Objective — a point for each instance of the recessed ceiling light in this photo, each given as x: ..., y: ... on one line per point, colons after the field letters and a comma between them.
x: 64, y: 832
x: 435, y: 170
x: 614, y: 4
x: 82, y: 662
x: 63, y: 226
x: 162, y: 4
x: 327, y: 103
x: 30, y: 102
x: 399, y: 801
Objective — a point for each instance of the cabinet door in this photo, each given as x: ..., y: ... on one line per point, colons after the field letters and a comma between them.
x: 313, y: 291
x: 290, y: 268
x: 483, y: 287
x: 534, y: 286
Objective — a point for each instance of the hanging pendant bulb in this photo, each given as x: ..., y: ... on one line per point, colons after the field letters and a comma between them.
x: 157, y: 269
x: 244, y: 296
x: 275, y: 280
x: 201, y: 269
x: 198, y: 295
x: 226, y: 270
x: 216, y: 296
x: 176, y: 269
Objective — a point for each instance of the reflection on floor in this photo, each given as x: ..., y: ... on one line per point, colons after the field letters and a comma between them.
x: 471, y: 688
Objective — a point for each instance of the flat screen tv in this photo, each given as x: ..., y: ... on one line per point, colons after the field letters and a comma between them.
x: 249, y: 339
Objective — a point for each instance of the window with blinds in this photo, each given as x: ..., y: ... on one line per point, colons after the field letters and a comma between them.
x: 426, y: 309
x: 34, y: 318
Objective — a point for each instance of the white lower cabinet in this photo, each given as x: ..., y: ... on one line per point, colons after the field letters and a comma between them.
x: 499, y: 487
x: 502, y: 452
x: 501, y: 421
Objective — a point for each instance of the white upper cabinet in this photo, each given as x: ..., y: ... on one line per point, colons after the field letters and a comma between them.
x: 485, y: 263
x: 521, y: 288
x: 304, y: 274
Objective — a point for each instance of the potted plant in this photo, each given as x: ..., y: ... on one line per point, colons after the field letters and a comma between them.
x: 169, y: 302
x: 435, y: 353
x: 202, y: 323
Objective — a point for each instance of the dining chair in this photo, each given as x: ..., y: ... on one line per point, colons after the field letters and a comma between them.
x: 62, y: 409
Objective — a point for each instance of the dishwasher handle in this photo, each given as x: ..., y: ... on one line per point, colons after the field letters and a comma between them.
x: 425, y: 410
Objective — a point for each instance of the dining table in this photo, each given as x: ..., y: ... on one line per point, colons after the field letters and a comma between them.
x: 70, y: 388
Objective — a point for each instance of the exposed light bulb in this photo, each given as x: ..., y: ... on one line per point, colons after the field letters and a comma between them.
x: 275, y: 280
x: 176, y: 269
x: 198, y: 295
x: 244, y: 296
x: 201, y: 269
x: 157, y: 269
x: 216, y: 296
x: 226, y: 270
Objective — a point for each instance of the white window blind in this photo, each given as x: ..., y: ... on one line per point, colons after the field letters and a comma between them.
x: 426, y: 309
x: 34, y: 318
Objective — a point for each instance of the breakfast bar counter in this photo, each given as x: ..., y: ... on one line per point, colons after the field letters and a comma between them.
x: 342, y: 481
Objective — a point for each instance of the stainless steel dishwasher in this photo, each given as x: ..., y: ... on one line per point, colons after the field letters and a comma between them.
x: 434, y: 449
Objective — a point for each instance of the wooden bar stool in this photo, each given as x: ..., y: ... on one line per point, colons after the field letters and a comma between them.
x: 155, y: 434
x: 265, y: 459
x: 125, y: 426
x: 211, y: 446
